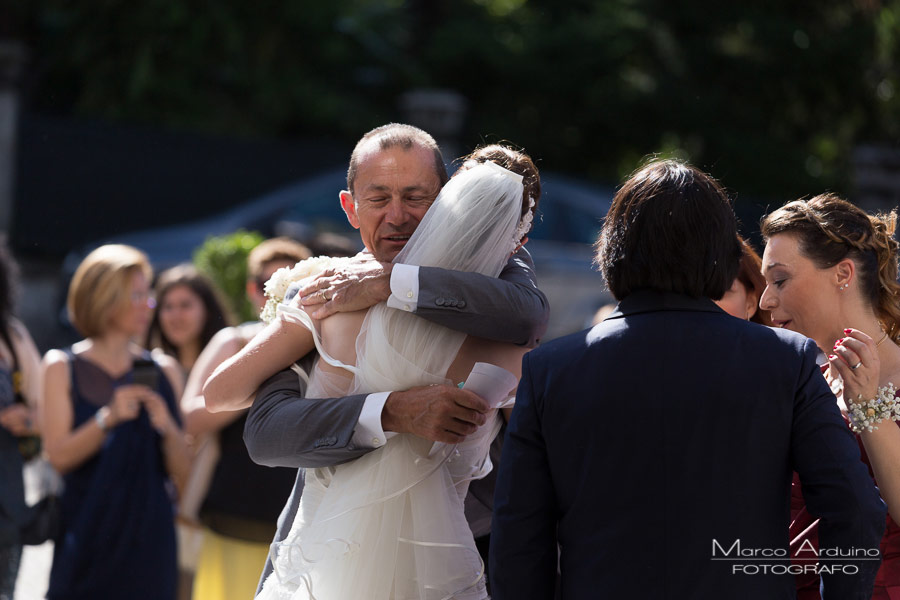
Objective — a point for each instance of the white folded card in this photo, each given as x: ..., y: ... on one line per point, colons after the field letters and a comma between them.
x: 491, y: 382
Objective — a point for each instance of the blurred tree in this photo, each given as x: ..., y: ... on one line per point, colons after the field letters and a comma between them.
x: 769, y: 96
x: 224, y: 260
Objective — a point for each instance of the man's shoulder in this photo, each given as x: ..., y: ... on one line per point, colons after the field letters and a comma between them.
x: 775, y: 341
x: 559, y: 348
x: 773, y: 337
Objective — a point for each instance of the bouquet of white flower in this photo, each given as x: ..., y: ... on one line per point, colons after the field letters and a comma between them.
x: 281, y: 280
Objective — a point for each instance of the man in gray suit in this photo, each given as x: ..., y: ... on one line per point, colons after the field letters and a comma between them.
x: 395, y: 174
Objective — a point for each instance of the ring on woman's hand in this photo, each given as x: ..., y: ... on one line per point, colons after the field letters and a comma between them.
x: 856, y: 366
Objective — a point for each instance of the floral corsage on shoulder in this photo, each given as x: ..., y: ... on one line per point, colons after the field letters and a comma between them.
x: 283, y: 279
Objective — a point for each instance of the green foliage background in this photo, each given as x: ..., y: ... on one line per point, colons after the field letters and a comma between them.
x: 771, y: 96
x: 224, y: 259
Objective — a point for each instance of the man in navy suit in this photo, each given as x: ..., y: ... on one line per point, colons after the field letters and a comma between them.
x: 651, y: 456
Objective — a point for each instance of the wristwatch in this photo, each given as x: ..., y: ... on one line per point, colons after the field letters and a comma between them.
x: 101, y: 417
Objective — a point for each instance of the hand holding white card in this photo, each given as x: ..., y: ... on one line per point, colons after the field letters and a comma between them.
x: 492, y: 383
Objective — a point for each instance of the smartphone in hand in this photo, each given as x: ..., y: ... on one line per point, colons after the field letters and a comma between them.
x: 146, y: 373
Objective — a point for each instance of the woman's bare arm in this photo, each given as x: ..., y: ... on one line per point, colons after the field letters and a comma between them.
x: 176, y: 453
x: 233, y: 384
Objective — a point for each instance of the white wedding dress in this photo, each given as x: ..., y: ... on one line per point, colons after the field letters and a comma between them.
x: 390, y: 525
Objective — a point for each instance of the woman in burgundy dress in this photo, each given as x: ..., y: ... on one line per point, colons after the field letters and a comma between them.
x: 831, y: 274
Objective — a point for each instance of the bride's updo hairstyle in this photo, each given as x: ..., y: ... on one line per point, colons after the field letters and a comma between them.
x: 512, y: 160
x: 670, y: 228
x: 830, y: 229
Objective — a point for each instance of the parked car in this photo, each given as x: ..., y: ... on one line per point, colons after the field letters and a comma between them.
x: 569, y: 218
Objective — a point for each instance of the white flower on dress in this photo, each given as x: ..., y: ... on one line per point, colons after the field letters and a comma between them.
x: 277, y: 286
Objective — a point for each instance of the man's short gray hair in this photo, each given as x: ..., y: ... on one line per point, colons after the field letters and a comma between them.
x: 395, y: 135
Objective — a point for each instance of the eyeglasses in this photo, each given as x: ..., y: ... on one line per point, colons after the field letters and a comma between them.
x: 141, y: 298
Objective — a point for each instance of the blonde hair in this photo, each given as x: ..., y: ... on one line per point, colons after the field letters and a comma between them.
x: 99, y: 287
x: 831, y: 229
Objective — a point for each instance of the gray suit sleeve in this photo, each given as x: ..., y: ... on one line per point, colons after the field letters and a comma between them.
x: 510, y: 308
x: 285, y: 429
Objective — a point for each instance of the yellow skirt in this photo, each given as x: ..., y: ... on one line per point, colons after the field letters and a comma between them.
x: 228, y: 568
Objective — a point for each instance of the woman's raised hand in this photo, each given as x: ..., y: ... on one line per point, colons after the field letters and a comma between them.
x: 856, y: 359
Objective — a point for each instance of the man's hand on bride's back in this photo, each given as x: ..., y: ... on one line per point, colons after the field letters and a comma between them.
x: 358, y: 285
x: 440, y: 413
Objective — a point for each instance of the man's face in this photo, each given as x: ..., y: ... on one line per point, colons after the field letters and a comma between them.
x: 392, y: 191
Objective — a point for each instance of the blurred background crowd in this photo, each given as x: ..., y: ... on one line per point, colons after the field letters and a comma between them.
x: 194, y: 132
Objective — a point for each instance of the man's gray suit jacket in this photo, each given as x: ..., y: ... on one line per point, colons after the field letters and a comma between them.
x: 284, y: 429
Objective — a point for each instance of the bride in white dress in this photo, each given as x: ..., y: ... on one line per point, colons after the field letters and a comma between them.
x: 390, y: 525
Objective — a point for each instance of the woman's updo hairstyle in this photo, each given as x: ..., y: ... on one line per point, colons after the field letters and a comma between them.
x: 512, y: 160
x: 831, y: 229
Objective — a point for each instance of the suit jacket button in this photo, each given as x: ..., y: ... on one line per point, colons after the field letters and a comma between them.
x: 439, y: 301
x: 461, y: 304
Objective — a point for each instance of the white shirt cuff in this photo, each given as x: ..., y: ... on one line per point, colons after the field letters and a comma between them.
x: 404, y: 287
x: 368, y: 432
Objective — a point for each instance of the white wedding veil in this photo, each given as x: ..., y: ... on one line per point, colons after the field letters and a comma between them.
x: 470, y: 227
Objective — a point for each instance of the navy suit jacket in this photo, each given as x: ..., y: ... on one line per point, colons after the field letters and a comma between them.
x: 670, y: 427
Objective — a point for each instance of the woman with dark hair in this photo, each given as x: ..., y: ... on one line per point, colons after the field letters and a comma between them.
x: 112, y: 428
x: 19, y: 441
x: 188, y: 313
x: 831, y: 271
x: 742, y: 298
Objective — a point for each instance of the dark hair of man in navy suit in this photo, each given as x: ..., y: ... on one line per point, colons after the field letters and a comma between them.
x: 644, y: 243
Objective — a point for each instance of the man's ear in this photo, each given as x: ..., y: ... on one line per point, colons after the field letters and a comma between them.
x: 349, y: 208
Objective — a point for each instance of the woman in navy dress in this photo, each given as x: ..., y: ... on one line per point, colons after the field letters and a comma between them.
x: 112, y: 428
